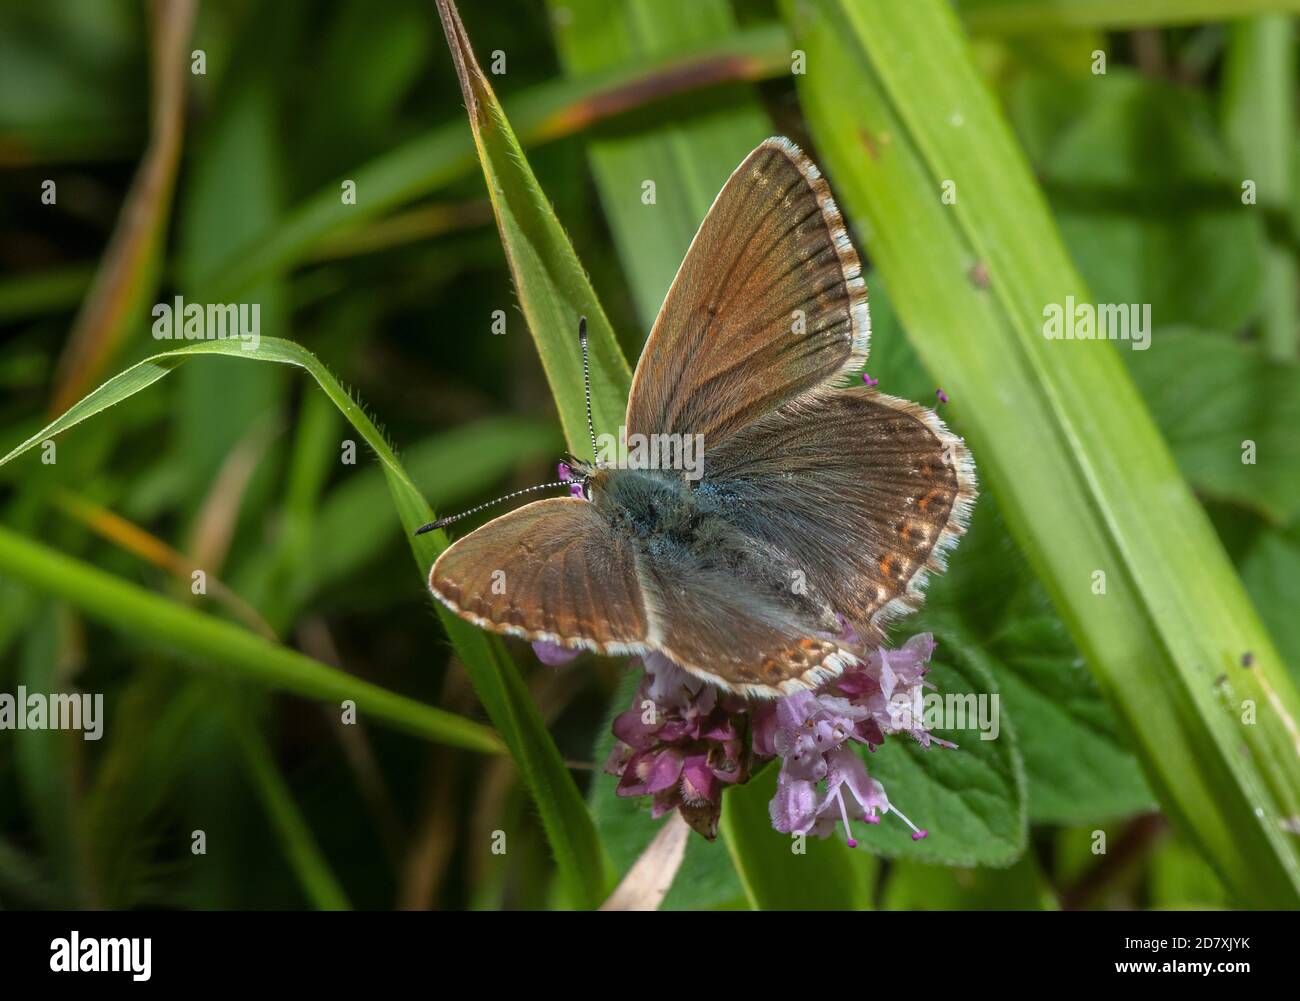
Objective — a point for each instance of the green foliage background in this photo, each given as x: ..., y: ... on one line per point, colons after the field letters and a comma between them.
x: 1121, y: 713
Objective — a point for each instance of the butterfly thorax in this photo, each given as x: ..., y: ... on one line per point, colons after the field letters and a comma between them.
x: 688, y: 531
x: 646, y: 504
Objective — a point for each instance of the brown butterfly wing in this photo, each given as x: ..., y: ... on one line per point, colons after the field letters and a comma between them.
x: 769, y: 303
x: 865, y: 492
x: 850, y: 494
x: 730, y: 634
x: 553, y: 570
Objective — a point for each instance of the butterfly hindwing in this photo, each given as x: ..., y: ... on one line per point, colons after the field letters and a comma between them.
x: 768, y: 303
x: 863, y: 491
x: 748, y: 633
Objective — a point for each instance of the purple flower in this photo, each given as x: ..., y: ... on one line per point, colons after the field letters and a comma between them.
x: 823, y: 781
x: 890, y: 686
x: 552, y: 654
x: 682, y: 741
x: 681, y: 744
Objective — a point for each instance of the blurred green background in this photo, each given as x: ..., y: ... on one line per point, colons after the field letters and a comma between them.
x: 231, y: 181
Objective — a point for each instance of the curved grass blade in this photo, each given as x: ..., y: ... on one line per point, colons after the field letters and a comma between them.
x: 1061, y: 435
x: 209, y: 640
x: 583, y: 867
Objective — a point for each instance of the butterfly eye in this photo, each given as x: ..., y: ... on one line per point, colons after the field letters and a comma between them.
x: 586, y: 490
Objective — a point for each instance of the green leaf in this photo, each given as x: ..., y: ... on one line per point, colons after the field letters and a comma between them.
x: 1271, y: 570
x: 1059, y: 433
x: 1212, y: 395
x: 1077, y: 765
x: 785, y: 873
x: 1146, y: 195
x: 972, y: 799
x: 496, y: 681
x: 1259, y: 108
x: 912, y: 886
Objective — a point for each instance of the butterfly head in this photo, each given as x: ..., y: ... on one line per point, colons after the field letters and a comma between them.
x: 580, y: 475
x: 586, y: 479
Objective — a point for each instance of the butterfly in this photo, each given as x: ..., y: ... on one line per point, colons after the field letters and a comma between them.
x: 820, y: 507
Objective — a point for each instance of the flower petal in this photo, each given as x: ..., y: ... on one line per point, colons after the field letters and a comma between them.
x: 552, y: 654
x: 794, y: 807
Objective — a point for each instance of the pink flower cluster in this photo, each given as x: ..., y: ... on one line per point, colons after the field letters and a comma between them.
x: 682, y: 742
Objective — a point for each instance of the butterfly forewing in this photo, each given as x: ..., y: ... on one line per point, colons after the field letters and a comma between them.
x: 769, y: 303
x: 552, y: 571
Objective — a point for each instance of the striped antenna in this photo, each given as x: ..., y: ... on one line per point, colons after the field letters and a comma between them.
x: 586, y: 381
x: 444, y: 522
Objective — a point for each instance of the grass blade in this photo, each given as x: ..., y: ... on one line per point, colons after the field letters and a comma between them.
x: 1061, y: 435
x: 300, y: 847
x: 208, y: 640
x: 583, y: 866
x: 550, y: 282
x: 1014, y: 16
x: 446, y: 153
x: 1259, y: 111
x: 688, y: 157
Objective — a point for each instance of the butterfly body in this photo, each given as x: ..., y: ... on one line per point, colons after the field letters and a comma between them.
x: 818, y: 511
x: 687, y: 539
